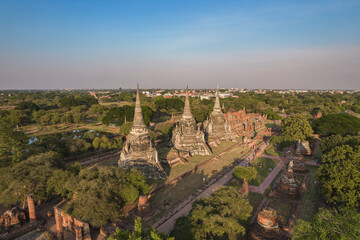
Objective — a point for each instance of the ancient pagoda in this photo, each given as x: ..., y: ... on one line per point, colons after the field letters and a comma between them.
x: 187, y: 136
x: 217, y: 127
x: 138, y: 151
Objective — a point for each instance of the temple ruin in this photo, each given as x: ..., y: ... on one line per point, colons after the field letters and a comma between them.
x: 302, y: 148
x: 65, y: 222
x: 287, y: 187
x: 187, y: 135
x: 217, y: 126
x: 244, y: 124
x: 266, y: 226
x: 138, y: 151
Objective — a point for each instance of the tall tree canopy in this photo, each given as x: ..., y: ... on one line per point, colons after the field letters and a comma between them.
x: 328, y: 224
x: 245, y: 173
x: 340, y: 175
x: 29, y: 177
x: 220, y: 214
x: 139, y: 233
x: 99, y: 194
x: 12, y: 144
x: 296, y: 127
x: 341, y: 123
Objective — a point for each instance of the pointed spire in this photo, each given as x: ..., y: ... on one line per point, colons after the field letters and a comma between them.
x: 138, y: 117
x: 187, y: 111
x: 217, y: 107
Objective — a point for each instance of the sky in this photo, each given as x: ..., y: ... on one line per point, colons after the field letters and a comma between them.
x: 168, y: 44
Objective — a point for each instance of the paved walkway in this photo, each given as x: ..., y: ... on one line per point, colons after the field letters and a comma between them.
x: 168, y: 224
x: 265, y: 184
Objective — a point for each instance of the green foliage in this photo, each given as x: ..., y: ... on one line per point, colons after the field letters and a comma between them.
x: 101, y: 192
x: 169, y: 103
x: 117, y: 115
x: 331, y: 142
x: 247, y: 173
x: 282, y: 141
x: 12, y: 145
x: 71, y: 101
x: 271, y: 114
x: 125, y: 128
x: 296, y: 127
x: 182, y: 229
x: 340, y: 175
x: 220, y: 214
x: 329, y: 224
x: 139, y: 233
x: 77, y: 145
x: 27, y: 106
x: 30, y: 177
x: 341, y: 123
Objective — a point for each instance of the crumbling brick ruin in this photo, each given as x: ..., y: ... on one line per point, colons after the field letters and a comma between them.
x: 65, y: 221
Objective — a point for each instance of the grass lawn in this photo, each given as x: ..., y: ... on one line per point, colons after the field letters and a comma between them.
x: 109, y: 162
x: 311, y: 196
x: 190, y: 183
x: 262, y: 166
x: 193, y: 161
x: 282, y: 208
x: 255, y: 199
x: 64, y: 127
x: 271, y: 151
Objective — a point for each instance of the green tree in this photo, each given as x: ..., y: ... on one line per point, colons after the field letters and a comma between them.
x: 341, y: 123
x: 296, y: 127
x: 12, y: 145
x: 30, y: 177
x: 329, y: 224
x: 339, y: 175
x: 220, y: 215
x: 101, y: 192
x: 182, y: 229
x: 139, y: 233
x: 125, y: 128
x: 245, y: 173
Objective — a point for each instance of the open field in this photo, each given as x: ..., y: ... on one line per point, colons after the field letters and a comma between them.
x: 186, y: 186
x: 193, y: 161
x: 311, y: 196
x: 64, y: 127
x: 282, y: 208
x: 263, y: 166
x: 271, y: 151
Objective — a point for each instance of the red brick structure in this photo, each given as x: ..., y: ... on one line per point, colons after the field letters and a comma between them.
x: 243, y: 123
x: 13, y: 217
x: 63, y: 220
x: 31, y: 206
x: 268, y: 218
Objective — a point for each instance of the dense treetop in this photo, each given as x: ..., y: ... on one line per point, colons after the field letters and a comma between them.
x: 329, y: 224
x: 341, y: 123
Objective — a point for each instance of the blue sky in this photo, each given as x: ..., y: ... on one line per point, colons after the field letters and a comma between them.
x: 111, y: 44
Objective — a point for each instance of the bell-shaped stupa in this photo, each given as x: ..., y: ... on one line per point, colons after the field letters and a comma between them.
x: 187, y: 136
x: 138, y: 151
x: 217, y: 127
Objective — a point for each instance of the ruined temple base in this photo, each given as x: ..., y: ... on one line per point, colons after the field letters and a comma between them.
x: 150, y: 170
x: 175, y: 157
x: 283, y: 194
x: 257, y: 232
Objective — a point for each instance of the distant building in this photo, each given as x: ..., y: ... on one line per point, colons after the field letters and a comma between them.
x: 225, y: 95
x: 167, y: 95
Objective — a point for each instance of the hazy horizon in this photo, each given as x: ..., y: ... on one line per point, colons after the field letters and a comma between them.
x: 167, y: 44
